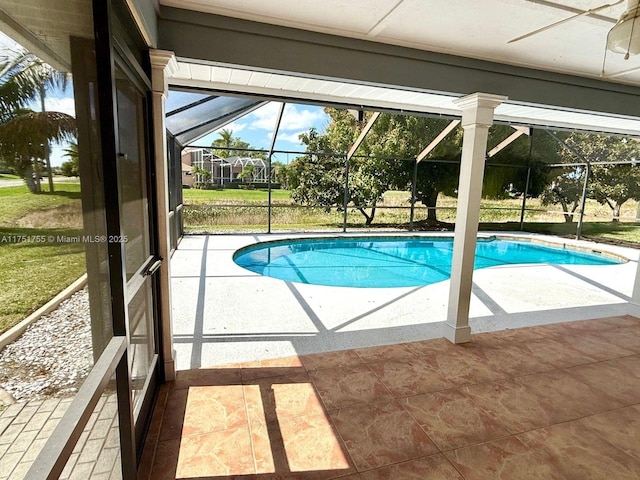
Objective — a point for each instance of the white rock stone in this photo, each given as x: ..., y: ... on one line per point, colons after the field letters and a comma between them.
x: 54, y: 353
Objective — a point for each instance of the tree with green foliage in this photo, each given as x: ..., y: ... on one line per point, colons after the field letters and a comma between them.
x: 610, y: 185
x: 379, y: 164
x: 281, y: 173
x: 318, y: 178
x: 404, y: 137
x: 384, y: 161
x: 247, y: 173
x: 506, y: 173
x: 565, y: 190
x: 25, y: 134
x: 613, y: 185
x: 227, y: 145
x: 202, y: 176
x: 71, y: 167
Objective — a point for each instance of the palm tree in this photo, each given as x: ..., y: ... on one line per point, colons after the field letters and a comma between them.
x: 247, y: 172
x: 17, y: 85
x: 71, y: 167
x: 226, y: 140
x: 25, y: 134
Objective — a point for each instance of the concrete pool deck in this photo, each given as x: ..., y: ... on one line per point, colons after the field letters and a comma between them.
x: 225, y: 314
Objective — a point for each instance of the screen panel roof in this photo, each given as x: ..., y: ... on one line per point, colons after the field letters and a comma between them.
x: 192, y: 115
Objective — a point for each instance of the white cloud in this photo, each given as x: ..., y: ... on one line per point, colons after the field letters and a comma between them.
x: 235, y: 127
x: 55, y: 104
x: 294, y: 117
x: 63, y: 104
x: 264, y: 118
x: 288, y: 137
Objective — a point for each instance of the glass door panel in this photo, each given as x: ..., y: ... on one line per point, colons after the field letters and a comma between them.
x: 141, y: 347
x: 132, y: 176
x: 136, y: 229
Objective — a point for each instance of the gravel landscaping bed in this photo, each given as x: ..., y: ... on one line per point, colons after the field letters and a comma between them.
x: 54, y: 355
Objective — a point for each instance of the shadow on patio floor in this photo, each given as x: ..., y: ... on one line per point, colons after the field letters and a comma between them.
x: 555, y: 401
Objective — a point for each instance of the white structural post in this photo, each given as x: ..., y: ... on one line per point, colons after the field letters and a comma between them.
x: 635, y: 296
x: 163, y: 65
x: 477, y: 117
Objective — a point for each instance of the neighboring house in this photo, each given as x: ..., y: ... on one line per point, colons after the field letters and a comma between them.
x: 222, y: 170
x: 187, y: 175
x: 200, y: 157
x: 237, y: 164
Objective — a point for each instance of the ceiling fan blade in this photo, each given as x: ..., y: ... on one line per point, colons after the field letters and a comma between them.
x: 560, y: 22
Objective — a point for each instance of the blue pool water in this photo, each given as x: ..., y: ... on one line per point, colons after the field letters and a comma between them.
x: 392, y: 261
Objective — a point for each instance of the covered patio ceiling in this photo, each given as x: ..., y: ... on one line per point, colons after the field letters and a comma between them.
x: 479, y: 30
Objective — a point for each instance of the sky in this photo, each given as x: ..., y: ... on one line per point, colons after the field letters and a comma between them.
x: 257, y: 127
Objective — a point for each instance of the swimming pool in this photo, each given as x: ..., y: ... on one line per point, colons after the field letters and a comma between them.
x: 373, y: 262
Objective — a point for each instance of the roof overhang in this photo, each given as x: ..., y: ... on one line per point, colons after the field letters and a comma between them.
x: 221, y: 78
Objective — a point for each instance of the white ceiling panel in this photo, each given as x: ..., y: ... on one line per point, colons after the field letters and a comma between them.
x: 259, y: 79
x: 367, y: 92
x: 219, y: 74
x: 328, y: 88
x: 345, y: 16
x: 201, y: 72
x: 183, y: 71
x: 314, y: 86
x: 377, y: 93
x: 277, y: 81
x: 240, y: 77
x: 295, y: 83
x: 346, y: 90
x: 483, y: 32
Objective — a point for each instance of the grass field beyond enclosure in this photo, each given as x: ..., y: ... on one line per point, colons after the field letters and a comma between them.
x: 246, y: 210
x: 34, y: 269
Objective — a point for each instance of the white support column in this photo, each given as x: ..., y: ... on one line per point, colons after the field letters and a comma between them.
x: 163, y: 64
x: 477, y: 117
x: 635, y: 296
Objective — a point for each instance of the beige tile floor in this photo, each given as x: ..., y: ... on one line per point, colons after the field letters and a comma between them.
x: 560, y: 401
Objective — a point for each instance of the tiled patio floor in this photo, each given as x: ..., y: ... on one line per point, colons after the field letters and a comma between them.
x: 560, y: 401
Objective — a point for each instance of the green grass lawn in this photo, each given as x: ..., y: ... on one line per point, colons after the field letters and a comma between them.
x: 231, y: 196
x: 33, y: 271
x: 16, y: 202
x: 244, y: 210
x: 8, y: 176
x: 622, y: 233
